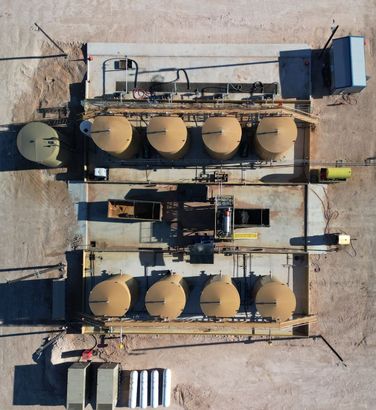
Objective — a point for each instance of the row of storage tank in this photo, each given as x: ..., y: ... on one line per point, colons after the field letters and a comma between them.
x: 221, y: 136
x: 166, y: 298
x: 168, y: 135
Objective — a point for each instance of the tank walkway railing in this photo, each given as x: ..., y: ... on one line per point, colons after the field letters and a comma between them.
x: 207, y: 327
x: 240, y: 110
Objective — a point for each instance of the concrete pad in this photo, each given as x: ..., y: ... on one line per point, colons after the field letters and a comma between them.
x: 286, y: 204
x: 204, y: 62
x: 147, y: 271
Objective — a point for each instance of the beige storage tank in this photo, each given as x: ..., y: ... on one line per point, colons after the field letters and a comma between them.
x: 275, y: 136
x: 273, y: 299
x: 169, y: 136
x: 115, y: 135
x: 114, y: 296
x: 166, y: 298
x: 38, y: 142
x: 221, y: 136
x: 220, y: 298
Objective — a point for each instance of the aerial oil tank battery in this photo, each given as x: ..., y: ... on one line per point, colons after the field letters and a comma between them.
x: 168, y: 136
x: 274, y: 137
x: 166, y: 298
x: 221, y: 137
x: 220, y: 298
x: 113, y: 297
x: 38, y: 142
x: 115, y: 135
x: 273, y: 299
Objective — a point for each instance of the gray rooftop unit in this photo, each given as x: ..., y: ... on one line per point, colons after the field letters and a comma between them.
x: 107, y: 386
x: 347, y: 63
x: 77, y: 386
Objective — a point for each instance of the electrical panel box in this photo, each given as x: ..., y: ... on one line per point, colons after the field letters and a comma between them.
x: 344, y: 239
x: 347, y: 65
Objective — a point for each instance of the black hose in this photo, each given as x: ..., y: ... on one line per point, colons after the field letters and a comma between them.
x: 136, y: 75
x: 95, y: 342
x: 255, y: 85
x: 186, y: 76
x: 236, y: 87
x: 156, y: 84
x: 208, y: 88
x: 118, y: 59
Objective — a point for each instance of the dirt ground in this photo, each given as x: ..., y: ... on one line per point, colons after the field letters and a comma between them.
x: 38, y: 221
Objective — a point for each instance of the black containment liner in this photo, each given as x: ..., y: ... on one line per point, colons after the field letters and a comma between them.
x: 134, y: 209
x: 147, y: 210
x: 169, y: 86
x: 251, y: 217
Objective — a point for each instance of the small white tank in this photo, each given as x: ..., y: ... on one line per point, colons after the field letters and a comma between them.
x: 133, y: 387
x: 154, y: 397
x: 144, y: 389
x: 166, y: 388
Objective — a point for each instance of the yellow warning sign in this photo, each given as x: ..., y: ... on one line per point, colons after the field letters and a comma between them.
x: 250, y: 235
